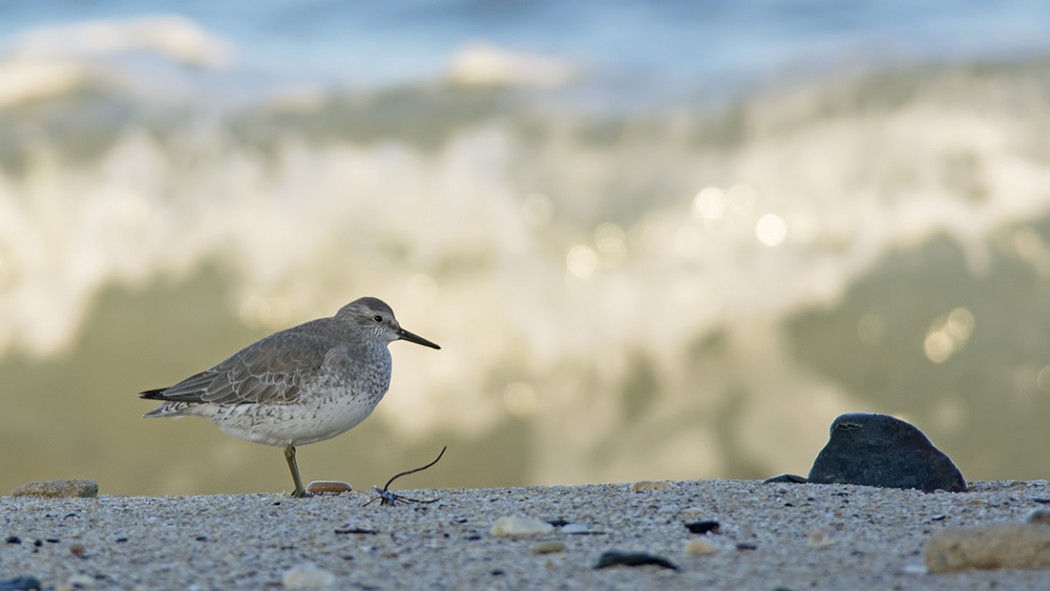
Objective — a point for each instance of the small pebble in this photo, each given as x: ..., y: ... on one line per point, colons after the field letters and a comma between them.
x: 620, y: 558
x: 328, y: 487
x: 786, y: 479
x: 548, y: 548
x: 1039, y: 516
x: 915, y: 569
x: 77, y: 550
x: 820, y: 539
x: 307, y: 576
x: 707, y: 526
x: 699, y: 547
x: 574, y: 528
x: 58, y: 489
x: 516, y: 526
x: 13, y: 540
x: 644, y: 485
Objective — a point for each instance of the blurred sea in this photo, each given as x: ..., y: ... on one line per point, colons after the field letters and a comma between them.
x: 655, y: 240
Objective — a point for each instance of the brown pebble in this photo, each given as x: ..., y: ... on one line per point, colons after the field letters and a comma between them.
x: 328, y: 487
x: 1039, y: 516
x: 820, y: 539
x: 58, y: 489
x: 699, y: 547
x: 77, y: 550
x: 548, y: 548
x: 649, y: 485
x: 995, y: 546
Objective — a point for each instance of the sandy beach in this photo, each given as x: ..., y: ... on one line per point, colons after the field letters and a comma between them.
x: 769, y: 536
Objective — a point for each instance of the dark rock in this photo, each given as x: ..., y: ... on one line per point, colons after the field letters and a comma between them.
x: 703, y: 527
x: 785, y: 479
x: 620, y: 558
x: 13, y: 540
x: 20, y: 584
x: 880, y: 450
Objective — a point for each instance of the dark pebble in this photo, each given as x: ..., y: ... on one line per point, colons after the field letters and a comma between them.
x: 357, y: 530
x: 880, y: 450
x: 746, y: 546
x: 707, y: 526
x: 13, y: 540
x: 38, y: 543
x: 785, y: 479
x: 559, y: 522
x: 120, y: 540
x: 619, y: 558
x: 498, y: 573
x: 20, y: 583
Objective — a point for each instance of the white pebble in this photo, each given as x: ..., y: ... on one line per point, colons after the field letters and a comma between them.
x: 915, y: 569
x: 307, y: 576
x: 516, y: 526
x: 574, y: 528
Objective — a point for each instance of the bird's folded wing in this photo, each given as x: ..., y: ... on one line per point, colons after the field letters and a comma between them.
x: 269, y: 371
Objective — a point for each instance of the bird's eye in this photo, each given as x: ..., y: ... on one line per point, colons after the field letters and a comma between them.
x: 377, y: 318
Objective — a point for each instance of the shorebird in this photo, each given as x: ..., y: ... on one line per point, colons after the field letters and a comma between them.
x: 301, y: 385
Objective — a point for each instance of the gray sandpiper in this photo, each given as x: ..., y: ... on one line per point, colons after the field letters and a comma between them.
x: 301, y: 385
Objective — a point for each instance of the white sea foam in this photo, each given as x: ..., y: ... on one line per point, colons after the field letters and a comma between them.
x: 486, y: 64
x: 173, y: 37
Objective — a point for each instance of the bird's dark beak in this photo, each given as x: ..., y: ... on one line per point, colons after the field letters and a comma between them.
x: 414, y: 338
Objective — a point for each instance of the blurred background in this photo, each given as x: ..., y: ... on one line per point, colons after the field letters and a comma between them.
x: 656, y: 240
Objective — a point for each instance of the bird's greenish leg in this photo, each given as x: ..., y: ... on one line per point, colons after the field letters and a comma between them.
x: 289, y: 454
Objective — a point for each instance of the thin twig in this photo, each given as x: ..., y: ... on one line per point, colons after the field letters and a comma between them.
x: 387, y: 497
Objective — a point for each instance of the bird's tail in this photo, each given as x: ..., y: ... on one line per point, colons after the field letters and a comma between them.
x: 169, y: 408
x: 156, y: 394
